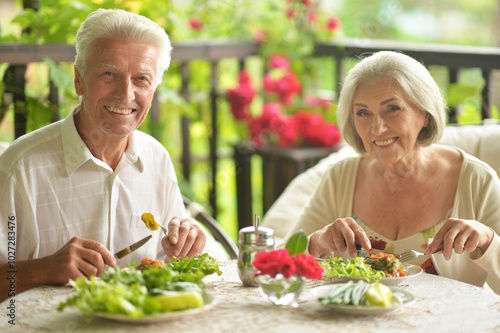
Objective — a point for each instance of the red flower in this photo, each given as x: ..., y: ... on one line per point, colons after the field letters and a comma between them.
x: 285, y: 88
x: 277, y: 61
x: 333, y: 23
x: 274, y: 262
x: 241, y: 96
x: 315, y: 131
x: 312, y: 16
x: 260, y: 36
x: 195, y: 24
x: 280, y: 262
x: 307, y: 266
x: 289, y: 134
x: 291, y: 13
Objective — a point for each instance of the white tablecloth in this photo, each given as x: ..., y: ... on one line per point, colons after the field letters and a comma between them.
x: 442, y: 305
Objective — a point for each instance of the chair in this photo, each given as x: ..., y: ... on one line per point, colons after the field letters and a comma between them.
x: 198, y: 213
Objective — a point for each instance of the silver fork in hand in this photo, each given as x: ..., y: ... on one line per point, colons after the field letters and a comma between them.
x: 412, y: 254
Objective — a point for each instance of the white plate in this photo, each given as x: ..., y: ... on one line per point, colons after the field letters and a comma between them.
x: 209, y: 302
x: 409, y: 269
x: 400, y: 298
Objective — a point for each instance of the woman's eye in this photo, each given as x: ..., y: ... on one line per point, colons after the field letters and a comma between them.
x: 361, y: 113
x: 393, y: 108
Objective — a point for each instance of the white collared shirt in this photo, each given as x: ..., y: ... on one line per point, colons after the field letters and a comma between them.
x: 52, y: 188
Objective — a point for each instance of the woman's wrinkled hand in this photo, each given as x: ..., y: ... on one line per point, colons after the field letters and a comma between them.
x: 185, y: 238
x: 461, y: 236
x: 340, y: 236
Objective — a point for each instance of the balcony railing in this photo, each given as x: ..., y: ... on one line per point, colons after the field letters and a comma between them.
x: 454, y: 58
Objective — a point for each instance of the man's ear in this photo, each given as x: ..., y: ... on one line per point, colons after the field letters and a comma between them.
x: 78, y: 82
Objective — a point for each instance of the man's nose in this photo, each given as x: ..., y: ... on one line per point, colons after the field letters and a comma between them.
x: 126, y: 91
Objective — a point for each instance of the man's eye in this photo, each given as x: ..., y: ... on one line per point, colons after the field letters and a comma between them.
x: 108, y: 73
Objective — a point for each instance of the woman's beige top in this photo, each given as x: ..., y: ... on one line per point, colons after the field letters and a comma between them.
x: 477, y: 198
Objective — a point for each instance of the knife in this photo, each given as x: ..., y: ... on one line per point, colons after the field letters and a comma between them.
x: 132, y: 248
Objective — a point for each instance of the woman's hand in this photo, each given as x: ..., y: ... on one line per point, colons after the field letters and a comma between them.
x: 461, y: 235
x: 340, y: 236
x: 185, y: 238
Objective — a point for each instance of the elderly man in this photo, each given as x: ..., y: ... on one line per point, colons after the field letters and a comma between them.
x: 73, y: 192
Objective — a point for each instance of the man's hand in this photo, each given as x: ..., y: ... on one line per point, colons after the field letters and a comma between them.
x: 79, y: 257
x: 185, y: 238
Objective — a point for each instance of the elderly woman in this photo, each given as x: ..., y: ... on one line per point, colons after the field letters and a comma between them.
x: 404, y: 191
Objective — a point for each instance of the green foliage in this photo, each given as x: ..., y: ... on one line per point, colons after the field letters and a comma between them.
x: 297, y: 243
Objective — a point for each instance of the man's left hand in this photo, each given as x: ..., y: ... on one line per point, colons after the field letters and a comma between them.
x: 185, y: 238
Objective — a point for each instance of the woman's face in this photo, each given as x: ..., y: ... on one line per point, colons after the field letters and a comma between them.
x: 386, y: 120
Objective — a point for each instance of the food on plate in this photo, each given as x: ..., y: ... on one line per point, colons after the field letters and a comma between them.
x: 135, y: 293
x: 386, y: 263
x: 372, y: 269
x: 147, y: 263
x: 355, y: 267
x: 377, y: 294
x: 180, y: 300
x: 150, y: 222
x: 358, y: 294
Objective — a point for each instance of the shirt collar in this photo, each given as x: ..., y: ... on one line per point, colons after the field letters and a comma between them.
x: 76, y: 152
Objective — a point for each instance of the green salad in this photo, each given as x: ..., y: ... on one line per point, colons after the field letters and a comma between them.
x: 354, y: 267
x: 133, y: 292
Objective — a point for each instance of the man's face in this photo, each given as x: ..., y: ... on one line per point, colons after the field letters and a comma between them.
x: 117, y: 88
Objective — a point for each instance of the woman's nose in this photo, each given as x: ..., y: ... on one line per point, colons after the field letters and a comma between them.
x: 378, y: 126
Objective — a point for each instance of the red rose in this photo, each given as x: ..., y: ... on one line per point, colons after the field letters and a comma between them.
x: 307, y: 266
x: 195, y: 24
x: 285, y: 88
x: 333, y: 23
x: 241, y: 96
x: 274, y: 262
x: 289, y: 133
x: 277, y: 61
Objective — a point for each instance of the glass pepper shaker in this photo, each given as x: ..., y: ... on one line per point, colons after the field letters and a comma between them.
x: 252, y: 240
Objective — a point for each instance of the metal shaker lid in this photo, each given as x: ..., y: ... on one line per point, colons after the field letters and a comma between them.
x: 253, y: 235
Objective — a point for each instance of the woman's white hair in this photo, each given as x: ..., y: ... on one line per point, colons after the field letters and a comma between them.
x: 412, y: 76
x: 113, y: 23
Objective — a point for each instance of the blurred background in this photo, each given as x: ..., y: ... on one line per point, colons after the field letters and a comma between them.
x: 274, y: 42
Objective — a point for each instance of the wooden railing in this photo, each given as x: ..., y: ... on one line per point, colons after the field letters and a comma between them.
x: 454, y: 58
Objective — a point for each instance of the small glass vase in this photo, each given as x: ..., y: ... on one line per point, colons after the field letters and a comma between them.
x: 281, y: 290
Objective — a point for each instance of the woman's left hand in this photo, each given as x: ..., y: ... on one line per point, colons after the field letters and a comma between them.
x: 461, y: 235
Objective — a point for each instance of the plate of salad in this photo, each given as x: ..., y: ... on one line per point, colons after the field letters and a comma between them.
x: 152, y: 291
x: 362, y: 298
x: 382, y: 268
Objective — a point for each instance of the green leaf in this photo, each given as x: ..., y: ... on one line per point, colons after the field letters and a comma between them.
x: 297, y: 243
x: 61, y: 78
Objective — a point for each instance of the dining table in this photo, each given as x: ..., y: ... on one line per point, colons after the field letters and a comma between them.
x: 440, y: 305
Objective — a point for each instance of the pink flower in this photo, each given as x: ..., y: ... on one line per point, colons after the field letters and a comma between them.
x: 241, y: 96
x: 311, y: 16
x: 277, y: 61
x: 333, y: 23
x: 291, y: 13
x: 260, y: 36
x: 195, y: 24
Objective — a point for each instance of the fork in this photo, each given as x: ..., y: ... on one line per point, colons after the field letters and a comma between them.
x: 412, y: 254
x: 165, y: 232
